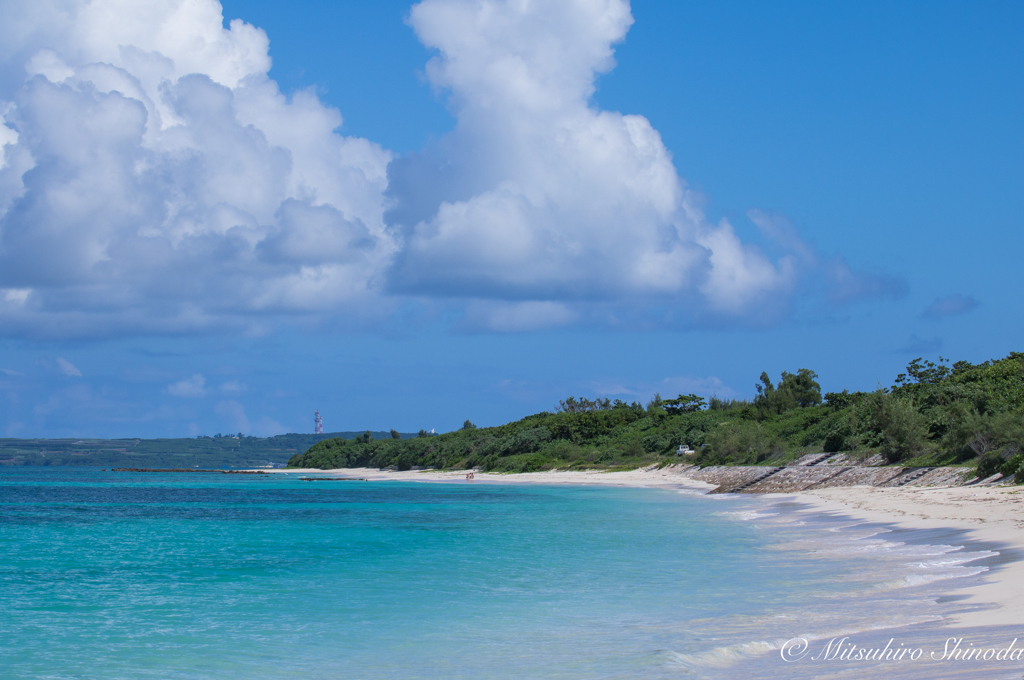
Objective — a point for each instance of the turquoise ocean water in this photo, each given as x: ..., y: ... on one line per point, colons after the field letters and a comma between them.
x: 145, y: 575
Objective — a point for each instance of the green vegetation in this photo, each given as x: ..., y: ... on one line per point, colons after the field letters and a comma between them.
x: 217, y: 451
x: 934, y: 414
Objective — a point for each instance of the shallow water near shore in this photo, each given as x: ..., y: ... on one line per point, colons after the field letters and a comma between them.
x: 136, y: 575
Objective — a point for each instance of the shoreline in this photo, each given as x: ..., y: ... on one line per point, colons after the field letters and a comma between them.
x: 993, y: 515
x: 989, y: 515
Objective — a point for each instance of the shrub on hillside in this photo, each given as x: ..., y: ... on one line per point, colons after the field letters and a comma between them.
x: 897, y: 427
x: 1014, y: 467
x: 988, y: 465
x: 975, y: 434
x: 743, y: 442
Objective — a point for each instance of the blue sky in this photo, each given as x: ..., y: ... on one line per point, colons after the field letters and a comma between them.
x: 191, y: 244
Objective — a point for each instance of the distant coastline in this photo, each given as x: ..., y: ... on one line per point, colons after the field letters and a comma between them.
x: 203, y: 451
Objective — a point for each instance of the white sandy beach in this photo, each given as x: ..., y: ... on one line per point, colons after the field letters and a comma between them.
x: 993, y: 514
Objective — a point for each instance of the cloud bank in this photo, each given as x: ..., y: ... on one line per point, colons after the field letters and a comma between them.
x: 155, y: 180
x: 538, y: 200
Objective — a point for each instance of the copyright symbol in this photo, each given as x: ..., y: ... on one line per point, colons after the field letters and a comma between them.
x: 794, y: 649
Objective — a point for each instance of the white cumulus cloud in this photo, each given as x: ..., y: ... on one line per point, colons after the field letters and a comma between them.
x: 233, y: 387
x: 68, y: 368
x: 189, y: 387
x: 155, y: 179
x: 538, y: 196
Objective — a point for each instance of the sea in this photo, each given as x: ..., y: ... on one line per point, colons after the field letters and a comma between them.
x: 206, y: 576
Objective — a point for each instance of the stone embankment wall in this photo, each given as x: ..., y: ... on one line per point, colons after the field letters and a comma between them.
x: 818, y: 471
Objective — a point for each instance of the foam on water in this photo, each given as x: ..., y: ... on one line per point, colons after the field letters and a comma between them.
x: 724, y: 657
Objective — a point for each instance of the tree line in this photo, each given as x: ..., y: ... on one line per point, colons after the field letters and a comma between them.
x: 933, y: 414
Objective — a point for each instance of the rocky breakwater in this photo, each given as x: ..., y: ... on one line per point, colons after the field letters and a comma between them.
x: 823, y: 470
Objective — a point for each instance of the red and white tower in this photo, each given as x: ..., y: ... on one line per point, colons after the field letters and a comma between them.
x: 318, y: 427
